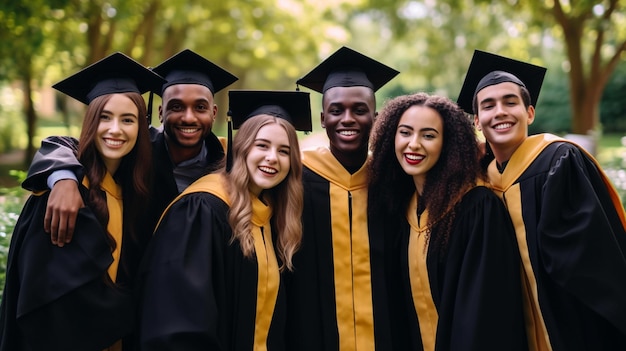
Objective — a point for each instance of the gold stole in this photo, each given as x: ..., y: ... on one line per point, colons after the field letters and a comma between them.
x: 115, y: 226
x: 506, y: 182
x: 418, y: 273
x: 268, y: 277
x: 350, y: 240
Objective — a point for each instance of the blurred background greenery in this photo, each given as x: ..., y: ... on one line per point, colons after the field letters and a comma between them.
x: 269, y: 44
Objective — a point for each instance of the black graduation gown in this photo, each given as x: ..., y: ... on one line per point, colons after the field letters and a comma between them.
x: 334, y: 303
x: 61, y: 298
x: 471, y: 299
x: 58, y: 153
x: 569, y: 224
x: 198, y: 291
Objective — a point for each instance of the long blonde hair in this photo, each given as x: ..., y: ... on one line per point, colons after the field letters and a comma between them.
x: 286, y: 198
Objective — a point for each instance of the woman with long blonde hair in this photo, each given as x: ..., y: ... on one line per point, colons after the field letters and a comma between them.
x: 212, y: 277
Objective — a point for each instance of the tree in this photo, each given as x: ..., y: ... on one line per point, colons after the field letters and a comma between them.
x: 23, y: 33
x: 595, y: 41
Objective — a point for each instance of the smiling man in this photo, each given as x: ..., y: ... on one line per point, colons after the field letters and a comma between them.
x: 331, y: 295
x: 568, y: 218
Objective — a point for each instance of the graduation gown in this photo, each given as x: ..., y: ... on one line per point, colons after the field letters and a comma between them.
x: 63, y: 298
x: 569, y: 225
x: 466, y: 298
x: 58, y: 153
x: 198, y: 290
x: 331, y: 292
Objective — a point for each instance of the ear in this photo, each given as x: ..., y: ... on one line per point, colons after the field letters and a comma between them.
x: 214, y: 112
x: 161, y: 113
x: 531, y: 114
x: 322, y: 120
x: 477, y: 124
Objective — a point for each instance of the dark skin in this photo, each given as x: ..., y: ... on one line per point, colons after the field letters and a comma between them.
x: 348, y: 115
x: 187, y: 113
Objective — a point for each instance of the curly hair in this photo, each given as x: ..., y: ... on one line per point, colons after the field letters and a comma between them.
x: 134, y: 172
x: 457, y: 170
x: 285, y: 198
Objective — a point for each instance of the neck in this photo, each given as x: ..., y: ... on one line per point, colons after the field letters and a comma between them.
x: 179, y: 154
x: 503, y: 154
x: 352, y: 162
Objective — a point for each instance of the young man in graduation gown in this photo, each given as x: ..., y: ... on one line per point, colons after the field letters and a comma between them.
x: 568, y: 218
x: 331, y: 295
x: 183, y: 151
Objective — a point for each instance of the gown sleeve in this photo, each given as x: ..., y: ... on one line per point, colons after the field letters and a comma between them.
x: 56, y: 153
x: 583, y: 242
x: 481, y: 302
x: 181, y: 276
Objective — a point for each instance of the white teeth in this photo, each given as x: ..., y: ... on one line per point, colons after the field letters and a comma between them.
x: 268, y: 170
x: 348, y: 132
x: 188, y: 130
x: 414, y: 157
x: 113, y: 142
x: 503, y: 126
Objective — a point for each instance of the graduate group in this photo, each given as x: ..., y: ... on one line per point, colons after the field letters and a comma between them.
x: 405, y: 232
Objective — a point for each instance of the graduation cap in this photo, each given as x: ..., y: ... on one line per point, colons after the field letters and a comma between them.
x: 293, y: 106
x: 488, y: 69
x: 348, y: 68
x: 116, y: 73
x: 187, y: 67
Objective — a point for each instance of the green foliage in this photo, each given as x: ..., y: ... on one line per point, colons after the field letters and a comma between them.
x: 11, y: 202
x: 553, y: 111
x: 613, y: 104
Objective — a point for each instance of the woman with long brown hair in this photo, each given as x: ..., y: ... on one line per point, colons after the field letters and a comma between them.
x: 79, y: 297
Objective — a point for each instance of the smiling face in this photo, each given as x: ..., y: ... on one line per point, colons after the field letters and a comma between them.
x: 117, y: 131
x: 187, y: 113
x: 418, y: 142
x: 268, y: 161
x: 503, y: 118
x: 348, y: 117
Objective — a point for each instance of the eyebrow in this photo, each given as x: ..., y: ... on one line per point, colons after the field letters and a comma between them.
x: 127, y: 114
x: 504, y: 97
x: 269, y: 142
x: 421, y: 130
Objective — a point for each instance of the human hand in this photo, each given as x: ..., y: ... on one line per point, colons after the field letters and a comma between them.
x: 62, y: 210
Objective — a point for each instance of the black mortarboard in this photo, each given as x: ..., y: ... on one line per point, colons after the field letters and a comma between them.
x: 293, y: 106
x: 348, y: 68
x: 488, y: 69
x: 116, y: 73
x: 187, y: 67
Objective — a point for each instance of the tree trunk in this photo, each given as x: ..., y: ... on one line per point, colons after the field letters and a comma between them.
x: 31, y: 115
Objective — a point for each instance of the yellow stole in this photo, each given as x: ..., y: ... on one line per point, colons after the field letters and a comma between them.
x: 350, y: 239
x: 268, y: 278
x: 506, y: 182
x: 115, y: 206
x: 418, y: 274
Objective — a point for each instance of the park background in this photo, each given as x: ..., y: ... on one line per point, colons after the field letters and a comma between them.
x: 269, y: 44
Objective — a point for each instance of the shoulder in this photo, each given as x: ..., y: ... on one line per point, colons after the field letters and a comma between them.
x: 480, y: 198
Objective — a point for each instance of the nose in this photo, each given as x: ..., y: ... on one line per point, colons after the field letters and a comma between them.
x: 500, y: 110
x: 114, y: 127
x: 414, y: 143
x: 188, y: 114
x: 271, y: 156
x: 347, y: 118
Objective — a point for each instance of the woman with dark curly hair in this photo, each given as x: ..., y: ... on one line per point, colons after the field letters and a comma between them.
x: 451, y: 267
